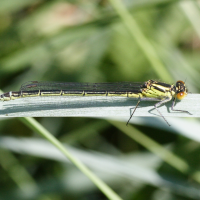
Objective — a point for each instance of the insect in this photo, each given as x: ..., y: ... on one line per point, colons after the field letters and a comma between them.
x: 147, y: 91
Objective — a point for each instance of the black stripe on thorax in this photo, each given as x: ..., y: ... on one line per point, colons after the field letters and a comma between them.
x: 159, y: 88
x: 163, y: 84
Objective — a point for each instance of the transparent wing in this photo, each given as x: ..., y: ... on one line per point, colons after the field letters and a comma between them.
x: 73, y: 86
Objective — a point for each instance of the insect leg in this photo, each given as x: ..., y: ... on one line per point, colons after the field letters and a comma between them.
x: 159, y: 104
x: 173, y: 104
x: 139, y: 99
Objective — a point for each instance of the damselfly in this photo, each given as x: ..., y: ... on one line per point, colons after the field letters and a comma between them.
x: 146, y: 91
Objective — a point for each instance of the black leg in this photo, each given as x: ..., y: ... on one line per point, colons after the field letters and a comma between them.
x: 159, y: 104
x: 133, y: 111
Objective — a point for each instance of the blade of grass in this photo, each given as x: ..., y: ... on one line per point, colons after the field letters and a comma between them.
x: 170, y: 158
x: 35, y: 126
x: 22, y: 178
x: 126, y: 167
x: 142, y: 41
x: 191, y: 10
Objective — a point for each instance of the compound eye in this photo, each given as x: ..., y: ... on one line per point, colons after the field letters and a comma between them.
x: 181, y: 95
x: 178, y: 83
x: 181, y: 82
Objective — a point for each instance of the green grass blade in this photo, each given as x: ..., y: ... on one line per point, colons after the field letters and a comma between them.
x: 35, y: 126
x: 142, y: 41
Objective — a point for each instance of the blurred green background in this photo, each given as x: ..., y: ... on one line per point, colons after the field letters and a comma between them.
x: 87, y: 41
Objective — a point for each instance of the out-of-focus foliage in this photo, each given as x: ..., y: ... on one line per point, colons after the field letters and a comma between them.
x: 86, y: 41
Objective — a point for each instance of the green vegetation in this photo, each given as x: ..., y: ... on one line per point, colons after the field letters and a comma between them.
x: 99, y: 41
